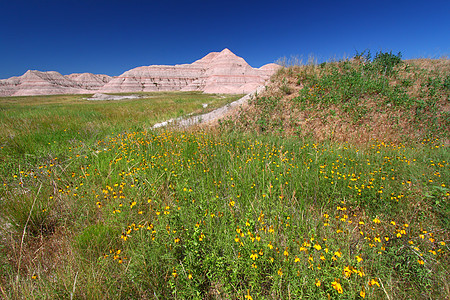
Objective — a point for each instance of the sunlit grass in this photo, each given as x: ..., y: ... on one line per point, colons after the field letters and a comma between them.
x: 97, y: 205
x: 184, y: 214
x: 39, y: 125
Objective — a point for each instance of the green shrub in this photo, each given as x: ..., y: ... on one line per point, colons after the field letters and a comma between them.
x: 387, y: 61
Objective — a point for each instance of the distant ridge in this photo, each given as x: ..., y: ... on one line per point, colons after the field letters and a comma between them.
x: 217, y: 72
x: 51, y: 83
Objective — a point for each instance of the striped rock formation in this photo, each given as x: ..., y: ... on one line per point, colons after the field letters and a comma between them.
x: 51, y: 83
x: 217, y: 72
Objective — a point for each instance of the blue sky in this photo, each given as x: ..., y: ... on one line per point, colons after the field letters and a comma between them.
x: 111, y: 37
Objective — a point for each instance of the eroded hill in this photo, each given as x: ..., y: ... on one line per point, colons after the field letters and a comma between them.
x: 354, y: 100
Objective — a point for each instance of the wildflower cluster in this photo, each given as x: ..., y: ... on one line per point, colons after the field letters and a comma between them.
x: 317, y: 220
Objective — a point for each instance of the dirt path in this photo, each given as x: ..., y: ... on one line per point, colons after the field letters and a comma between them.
x: 213, y: 116
x: 104, y: 97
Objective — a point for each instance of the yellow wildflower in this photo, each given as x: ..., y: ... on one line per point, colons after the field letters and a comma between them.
x: 373, y: 282
x: 337, y: 286
x: 248, y: 297
x: 347, y: 272
x: 362, y: 293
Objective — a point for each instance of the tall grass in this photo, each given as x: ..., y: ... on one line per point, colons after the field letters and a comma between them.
x: 162, y: 215
x: 96, y: 205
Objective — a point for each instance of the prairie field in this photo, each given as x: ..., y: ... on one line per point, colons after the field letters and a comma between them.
x: 333, y: 184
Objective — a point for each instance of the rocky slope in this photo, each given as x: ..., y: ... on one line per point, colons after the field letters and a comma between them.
x: 51, y: 83
x: 88, y: 80
x: 217, y: 72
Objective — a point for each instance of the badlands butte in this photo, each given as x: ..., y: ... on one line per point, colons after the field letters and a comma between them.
x: 217, y: 72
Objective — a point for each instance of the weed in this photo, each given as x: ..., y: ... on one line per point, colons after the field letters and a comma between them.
x: 284, y: 87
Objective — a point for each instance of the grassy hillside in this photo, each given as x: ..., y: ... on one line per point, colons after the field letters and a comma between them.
x: 356, y: 100
x: 269, y: 205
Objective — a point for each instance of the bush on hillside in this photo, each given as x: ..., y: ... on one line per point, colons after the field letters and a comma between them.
x: 387, y: 61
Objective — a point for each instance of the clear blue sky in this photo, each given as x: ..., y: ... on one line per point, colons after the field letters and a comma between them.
x: 110, y: 37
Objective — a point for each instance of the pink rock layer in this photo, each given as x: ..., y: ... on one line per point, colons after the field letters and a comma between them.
x: 34, y: 83
x: 217, y: 72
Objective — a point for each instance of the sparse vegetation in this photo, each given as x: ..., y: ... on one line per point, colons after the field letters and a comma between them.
x: 355, y: 100
x: 279, y: 203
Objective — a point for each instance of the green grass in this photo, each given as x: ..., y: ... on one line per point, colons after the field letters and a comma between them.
x: 111, y: 209
x: 37, y: 126
x: 150, y: 210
